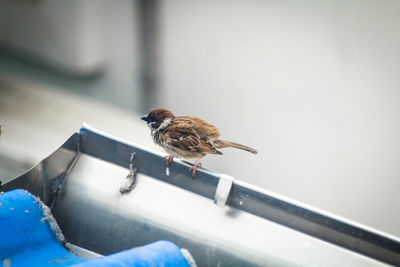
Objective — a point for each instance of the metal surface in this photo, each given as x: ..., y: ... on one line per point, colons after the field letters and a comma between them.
x: 100, y: 219
x: 223, y: 189
x: 44, y: 179
x: 253, y: 229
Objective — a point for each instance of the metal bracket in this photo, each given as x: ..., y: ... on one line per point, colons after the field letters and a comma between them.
x: 223, y: 189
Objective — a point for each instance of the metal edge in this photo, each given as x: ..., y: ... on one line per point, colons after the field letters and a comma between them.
x: 106, y: 147
x: 331, y: 229
x: 39, y: 180
x: 295, y: 215
x: 245, y: 197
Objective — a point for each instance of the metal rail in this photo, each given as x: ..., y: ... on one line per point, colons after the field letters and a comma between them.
x: 241, y: 196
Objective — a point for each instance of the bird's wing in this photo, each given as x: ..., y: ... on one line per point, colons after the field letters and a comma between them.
x: 205, y: 130
x: 186, y: 138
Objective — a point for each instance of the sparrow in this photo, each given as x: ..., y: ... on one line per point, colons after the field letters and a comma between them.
x: 186, y: 137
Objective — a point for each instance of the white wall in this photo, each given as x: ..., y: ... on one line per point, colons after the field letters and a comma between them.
x: 313, y: 85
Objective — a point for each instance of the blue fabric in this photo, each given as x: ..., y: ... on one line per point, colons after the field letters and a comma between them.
x: 161, y: 253
x: 26, y: 239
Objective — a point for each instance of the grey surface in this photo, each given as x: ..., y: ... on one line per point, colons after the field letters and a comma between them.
x: 312, y: 85
x: 11, y: 168
x: 43, y: 179
x: 94, y: 215
x: 304, y: 82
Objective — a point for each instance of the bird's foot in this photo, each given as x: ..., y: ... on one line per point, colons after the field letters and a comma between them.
x: 194, y: 168
x: 169, y: 159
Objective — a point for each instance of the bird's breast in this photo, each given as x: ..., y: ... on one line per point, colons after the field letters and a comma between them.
x: 158, y: 138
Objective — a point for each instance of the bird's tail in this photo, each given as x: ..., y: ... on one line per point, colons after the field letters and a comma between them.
x: 222, y: 144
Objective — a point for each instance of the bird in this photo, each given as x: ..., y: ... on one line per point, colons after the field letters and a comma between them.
x: 186, y: 137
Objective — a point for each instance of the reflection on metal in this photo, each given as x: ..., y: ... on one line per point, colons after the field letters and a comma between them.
x: 254, y: 228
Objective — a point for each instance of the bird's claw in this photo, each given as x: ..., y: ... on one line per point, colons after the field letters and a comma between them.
x: 169, y: 159
x: 194, y: 169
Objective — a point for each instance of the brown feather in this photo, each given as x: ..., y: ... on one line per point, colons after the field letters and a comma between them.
x: 222, y: 144
x: 187, y: 137
x: 185, y: 141
x: 205, y: 130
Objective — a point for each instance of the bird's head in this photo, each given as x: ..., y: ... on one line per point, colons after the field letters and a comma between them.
x: 158, y: 118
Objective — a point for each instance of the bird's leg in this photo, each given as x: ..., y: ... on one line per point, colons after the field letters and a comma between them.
x: 169, y: 159
x: 194, y: 168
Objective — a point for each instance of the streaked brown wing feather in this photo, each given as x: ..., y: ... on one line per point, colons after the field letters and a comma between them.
x: 186, y: 138
x: 205, y: 130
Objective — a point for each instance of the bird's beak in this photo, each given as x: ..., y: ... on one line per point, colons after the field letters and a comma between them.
x: 145, y: 118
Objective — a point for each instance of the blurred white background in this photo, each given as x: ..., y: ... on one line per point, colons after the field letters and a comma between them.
x: 313, y: 85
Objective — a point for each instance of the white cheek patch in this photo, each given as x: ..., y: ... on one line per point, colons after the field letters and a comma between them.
x: 164, y: 124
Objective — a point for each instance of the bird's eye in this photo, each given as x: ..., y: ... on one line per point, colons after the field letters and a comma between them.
x: 154, y: 125
x: 151, y: 118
